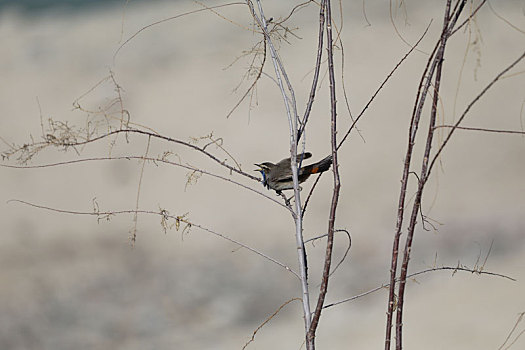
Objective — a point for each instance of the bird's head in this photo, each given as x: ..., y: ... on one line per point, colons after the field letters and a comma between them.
x: 264, y: 169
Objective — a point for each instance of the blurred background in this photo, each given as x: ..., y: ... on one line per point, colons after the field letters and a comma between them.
x: 75, y: 282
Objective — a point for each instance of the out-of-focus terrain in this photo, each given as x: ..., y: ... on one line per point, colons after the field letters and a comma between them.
x: 72, y: 282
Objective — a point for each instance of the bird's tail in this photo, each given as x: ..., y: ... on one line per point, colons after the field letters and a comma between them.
x: 320, y: 166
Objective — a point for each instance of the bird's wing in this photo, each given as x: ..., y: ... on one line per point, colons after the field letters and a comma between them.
x: 300, y: 157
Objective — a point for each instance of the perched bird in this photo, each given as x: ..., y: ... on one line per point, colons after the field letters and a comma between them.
x: 278, y: 177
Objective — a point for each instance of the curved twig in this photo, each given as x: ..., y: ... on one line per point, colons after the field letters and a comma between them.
x: 268, y: 320
x: 160, y: 160
x: 443, y: 268
x: 163, y: 214
x: 346, y: 251
x: 152, y: 135
x: 381, y: 87
x: 167, y: 20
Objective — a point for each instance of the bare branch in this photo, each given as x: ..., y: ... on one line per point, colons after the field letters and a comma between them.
x: 381, y: 87
x: 170, y: 19
x: 518, y: 321
x: 515, y: 132
x: 163, y: 214
x: 476, y: 99
x: 346, y: 251
x: 469, y: 18
x: 291, y: 112
x: 448, y: 23
x: 315, y: 79
x: 268, y: 320
x: 157, y: 160
x: 454, y: 269
x: 139, y: 187
x: 337, y: 182
x: 73, y: 143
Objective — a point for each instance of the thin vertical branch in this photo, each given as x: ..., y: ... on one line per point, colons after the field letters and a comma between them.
x: 316, y: 73
x: 337, y: 183
x: 139, y: 187
x: 421, y: 95
x: 436, y: 68
x: 423, y: 179
x: 422, y: 91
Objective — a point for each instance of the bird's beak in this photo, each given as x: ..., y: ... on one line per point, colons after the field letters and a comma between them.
x: 259, y: 166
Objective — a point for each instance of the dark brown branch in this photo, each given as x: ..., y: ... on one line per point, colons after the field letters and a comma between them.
x: 311, y: 193
x: 469, y: 18
x: 448, y: 23
x: 434, y: 61
x: 310, y: 338
x: 422, y: 91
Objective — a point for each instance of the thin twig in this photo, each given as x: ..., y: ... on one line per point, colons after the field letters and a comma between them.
x: 162, y: 214
x: 253, y: 84
x: 311, y: 193
x: 152, y: 135
x: 476, y: 99
x: 434, y: 269
x: 315, y: 79
x: 139, y: 187
x: 346, y: 251
x: 170, y: 19
x: 497, y: 131
x: 518, y: 321
x: 268, y: 320
x: 381, y: 87
x: 156, y: 160
x: 469, y: 18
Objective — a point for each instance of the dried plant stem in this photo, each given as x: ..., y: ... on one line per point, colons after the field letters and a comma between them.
x: 423, y: 178
x: 154, y: 160
x: 495, y: 131
x: 310, y: 339
x: 163, y: 214
x: 454, y: 269
x: 433, y: 68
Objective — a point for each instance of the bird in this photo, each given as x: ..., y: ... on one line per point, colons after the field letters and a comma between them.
x: 278, y: 177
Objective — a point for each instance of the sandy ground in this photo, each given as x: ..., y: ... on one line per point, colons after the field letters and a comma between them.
x: 70, y: 282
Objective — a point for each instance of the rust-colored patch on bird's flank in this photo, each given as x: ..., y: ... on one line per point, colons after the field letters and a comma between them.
x: 315, y: 170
